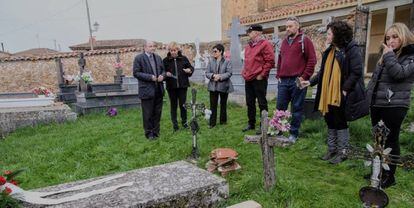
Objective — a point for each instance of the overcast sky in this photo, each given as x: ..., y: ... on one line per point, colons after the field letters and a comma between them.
x: 26, y: 24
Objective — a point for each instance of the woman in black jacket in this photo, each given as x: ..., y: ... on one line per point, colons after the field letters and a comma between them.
x: 389, y: 89
x: 178, y: 69
x: 341, y: 70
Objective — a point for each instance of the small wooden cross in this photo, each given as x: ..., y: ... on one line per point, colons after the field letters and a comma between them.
x: 267, y: 143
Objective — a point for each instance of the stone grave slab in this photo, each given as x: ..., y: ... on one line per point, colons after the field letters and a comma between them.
x: 13, y: 118
x: 176, y: 184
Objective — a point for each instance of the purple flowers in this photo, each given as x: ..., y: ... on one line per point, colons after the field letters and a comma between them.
x: 112, y: 112
x: 279, y: 122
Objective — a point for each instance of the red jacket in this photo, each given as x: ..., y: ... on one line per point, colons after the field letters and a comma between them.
x: 292, y: 62
x: 259, y: 59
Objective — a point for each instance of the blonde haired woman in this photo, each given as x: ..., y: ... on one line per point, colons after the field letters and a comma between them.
x: 178, y: 70
x: 390, y: 88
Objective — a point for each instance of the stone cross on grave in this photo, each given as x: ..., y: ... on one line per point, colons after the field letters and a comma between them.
x: 266, y: 144
x: 82, y: 63
x: 59, y: 71
x: 235, y: 31
x: 194, y: 106
x: 277, y: 42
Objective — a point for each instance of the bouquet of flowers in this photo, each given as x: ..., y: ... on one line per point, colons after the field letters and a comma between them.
x: 85, y: 76
x: 119, y: 65
x: 5, y: 199
x: 42, y: 91
x: 279, y: 123
x: 112, y: 112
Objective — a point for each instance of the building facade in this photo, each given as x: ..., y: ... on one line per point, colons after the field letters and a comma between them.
x: 272, y: 14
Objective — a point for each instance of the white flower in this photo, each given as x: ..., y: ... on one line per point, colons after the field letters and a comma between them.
x: 207, y: 114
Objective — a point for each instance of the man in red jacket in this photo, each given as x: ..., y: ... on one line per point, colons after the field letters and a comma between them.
x: 259, y: 59
x: 296, y: 64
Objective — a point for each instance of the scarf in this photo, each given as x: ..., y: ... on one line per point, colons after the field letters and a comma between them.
x: 331, y: 84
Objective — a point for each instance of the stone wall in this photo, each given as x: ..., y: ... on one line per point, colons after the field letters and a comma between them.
x: 24, y: 74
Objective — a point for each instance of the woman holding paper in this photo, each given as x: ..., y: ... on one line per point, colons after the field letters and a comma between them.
x: 178, y: 70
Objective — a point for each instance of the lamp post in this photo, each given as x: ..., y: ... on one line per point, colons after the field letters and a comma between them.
x: 95, y: 25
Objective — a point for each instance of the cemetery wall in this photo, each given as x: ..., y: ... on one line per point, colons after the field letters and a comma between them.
x: 24, y: 75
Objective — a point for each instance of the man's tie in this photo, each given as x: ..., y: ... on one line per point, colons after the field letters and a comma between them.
x: 152, y: 62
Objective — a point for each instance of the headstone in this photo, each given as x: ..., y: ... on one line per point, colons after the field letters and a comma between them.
x: 177, y: 184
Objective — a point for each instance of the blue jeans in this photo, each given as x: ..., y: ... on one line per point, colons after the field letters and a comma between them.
x: 289, y: 92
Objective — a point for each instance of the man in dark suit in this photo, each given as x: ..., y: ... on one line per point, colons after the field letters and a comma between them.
x: 149, y: 70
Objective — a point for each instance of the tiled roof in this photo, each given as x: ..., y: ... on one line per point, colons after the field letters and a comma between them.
x: 4, y: 54
x: 298, y: 9
x: 35, y: 52
x: 110, y: 44
x: 49, y: 56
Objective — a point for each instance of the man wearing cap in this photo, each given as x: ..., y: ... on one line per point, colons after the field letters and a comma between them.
x: 259, y: 59
x: 296, y: 64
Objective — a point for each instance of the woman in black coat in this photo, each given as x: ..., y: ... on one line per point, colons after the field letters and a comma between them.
x: 341, y: 70
x: 389, y: 89
x: 178, y: 70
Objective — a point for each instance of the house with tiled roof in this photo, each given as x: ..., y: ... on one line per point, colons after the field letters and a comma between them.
x: 4, y: 54
x: 271, y: 14
x: 35, y: 52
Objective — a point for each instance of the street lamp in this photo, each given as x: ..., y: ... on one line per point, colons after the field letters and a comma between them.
x: 95, y: 25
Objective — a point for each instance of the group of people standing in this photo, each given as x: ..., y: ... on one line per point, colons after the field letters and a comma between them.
x: 340, y: 95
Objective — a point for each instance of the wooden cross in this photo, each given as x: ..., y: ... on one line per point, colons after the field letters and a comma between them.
x: 267, y: 143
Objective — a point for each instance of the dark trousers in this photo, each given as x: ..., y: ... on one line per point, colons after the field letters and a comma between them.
x: 151, y: 114
x: 255, y: 89
x: 178, y: 96
x: 214, y: 96
x: 289, y: 92
x: 335, y: 118
x: 393, y: 118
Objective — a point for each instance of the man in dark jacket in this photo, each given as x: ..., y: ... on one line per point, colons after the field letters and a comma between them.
x: 178, y: 70
x: 296, y: 63
x: 259, y: 59
x: 149, y: 70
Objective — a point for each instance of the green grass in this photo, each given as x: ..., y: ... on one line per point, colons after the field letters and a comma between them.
x: 97, y: 145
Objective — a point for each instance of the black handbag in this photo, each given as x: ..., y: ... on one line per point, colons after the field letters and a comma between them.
x: 356, y: 103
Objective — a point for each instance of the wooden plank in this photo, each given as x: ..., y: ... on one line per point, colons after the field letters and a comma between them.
x: 268, y: 155
x: 274, y: 141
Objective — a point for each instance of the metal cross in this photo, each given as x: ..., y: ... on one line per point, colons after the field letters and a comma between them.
x: 379, y: 158
x: 194, y: 106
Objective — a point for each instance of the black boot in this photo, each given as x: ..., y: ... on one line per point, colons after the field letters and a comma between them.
x: 175, y: 127
x: 343, y: 144
x: 387, y: 180
x: 331, y: 141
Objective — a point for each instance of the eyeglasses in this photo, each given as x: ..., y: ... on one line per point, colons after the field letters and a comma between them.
x: 215, y: 51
